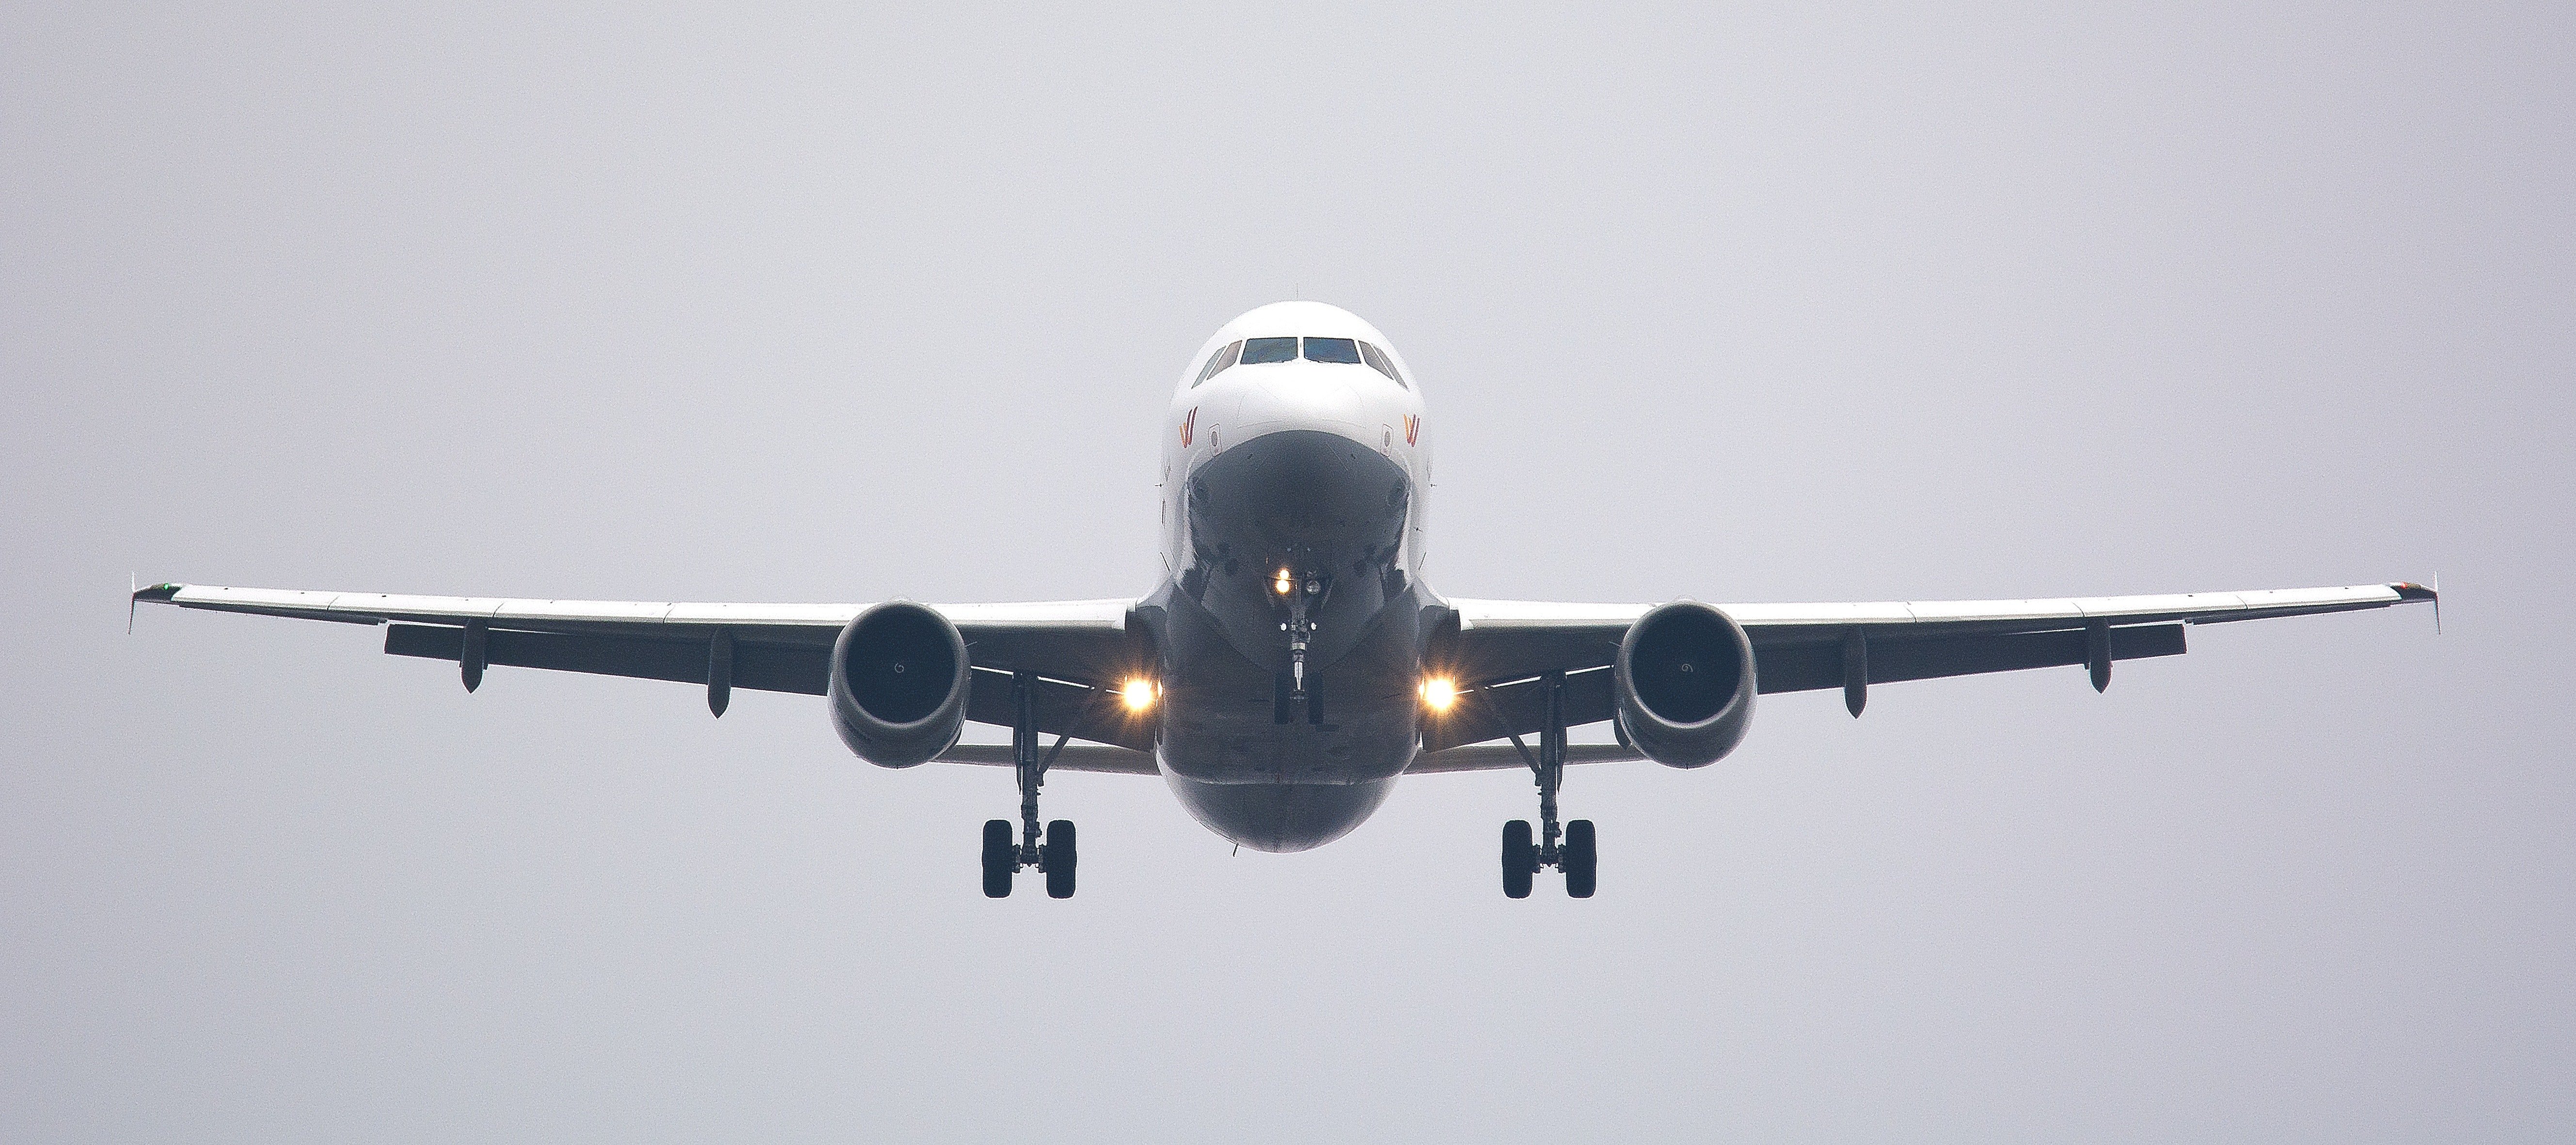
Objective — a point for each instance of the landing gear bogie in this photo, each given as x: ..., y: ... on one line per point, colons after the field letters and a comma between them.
x: 1573, y: 848
x: 1051, y: 851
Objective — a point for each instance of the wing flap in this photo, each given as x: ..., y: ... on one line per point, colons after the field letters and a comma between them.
x: 1062, y: 708
x: 1074, y: 757
x: 766, y: 667
x: 1807, y: 666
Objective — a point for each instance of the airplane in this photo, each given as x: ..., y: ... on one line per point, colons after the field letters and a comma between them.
x: 1292, y: 663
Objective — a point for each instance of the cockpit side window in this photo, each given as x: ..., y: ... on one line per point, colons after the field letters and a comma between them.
x: 1262, y: 351
x: 1218, y: 362
x: 1378, y: 361
x: 1342, y: 350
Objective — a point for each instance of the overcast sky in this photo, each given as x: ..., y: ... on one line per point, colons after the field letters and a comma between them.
x: 843, y: 305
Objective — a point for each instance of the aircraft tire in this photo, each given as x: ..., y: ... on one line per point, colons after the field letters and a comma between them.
x: 1520, y: 859
x: 1000, y: 857
x: 1059, y: 856
x: 1582, y: 859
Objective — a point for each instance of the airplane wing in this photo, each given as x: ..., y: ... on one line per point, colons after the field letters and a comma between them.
x: 1075, y: 646
x: 1079, y: 648
x: 1499, y: 645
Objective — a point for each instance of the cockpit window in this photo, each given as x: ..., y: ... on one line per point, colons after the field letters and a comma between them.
x: 1266, y: 351
x: 1342, y: 350
x: 1262, y: 351
x: 1378, y: 361
x: 1217, y: 362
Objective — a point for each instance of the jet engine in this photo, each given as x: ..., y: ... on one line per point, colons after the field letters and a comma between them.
x: 899, y: 684
x: 1684, y: 683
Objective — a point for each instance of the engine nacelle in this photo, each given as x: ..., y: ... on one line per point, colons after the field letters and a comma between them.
x: 1684, y: 681
x: 899, y: 684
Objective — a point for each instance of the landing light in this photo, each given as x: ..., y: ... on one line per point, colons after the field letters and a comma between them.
x: 1439, y: 692
x: 1284, y: 584
x: 1139, y: 694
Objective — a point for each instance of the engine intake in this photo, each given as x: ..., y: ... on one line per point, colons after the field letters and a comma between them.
x: 1684, y: 681
x: 899, y: 684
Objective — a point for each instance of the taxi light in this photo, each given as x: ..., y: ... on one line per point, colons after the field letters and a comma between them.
x: 1139, y: 693
x: 1284, y: 584
x: 1439, y: 692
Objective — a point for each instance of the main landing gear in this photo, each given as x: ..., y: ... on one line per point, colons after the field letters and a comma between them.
x: 1570, y: 849
x: 1052, y: 852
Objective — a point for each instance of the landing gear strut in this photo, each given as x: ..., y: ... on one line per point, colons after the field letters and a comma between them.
x: 1052, y: 852
x: 1569, y: 848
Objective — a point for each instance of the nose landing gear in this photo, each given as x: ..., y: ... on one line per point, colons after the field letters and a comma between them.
x: 1304, y: 592
x: 1051, y: 852
x: 1572, y: 848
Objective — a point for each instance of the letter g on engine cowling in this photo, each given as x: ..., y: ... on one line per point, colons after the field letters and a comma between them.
x: 899, y: 684
x: 1684, y: 684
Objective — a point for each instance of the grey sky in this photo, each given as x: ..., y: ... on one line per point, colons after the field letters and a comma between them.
x: 834, y: 305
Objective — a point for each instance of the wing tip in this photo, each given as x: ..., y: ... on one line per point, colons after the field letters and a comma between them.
x: 2410, y: 592
x: 159, y: 593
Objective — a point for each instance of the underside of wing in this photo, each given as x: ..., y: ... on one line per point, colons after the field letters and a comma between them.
x: 1076, y: 648
x: 1499, y: 647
